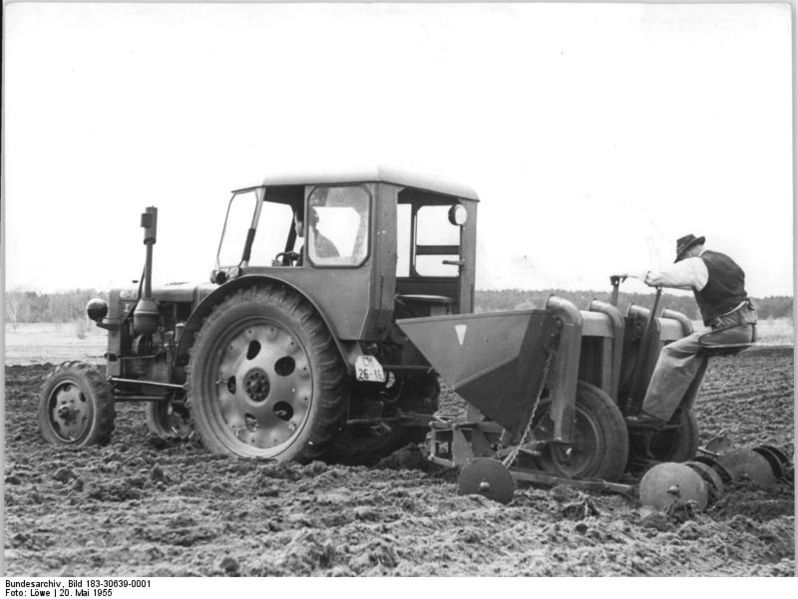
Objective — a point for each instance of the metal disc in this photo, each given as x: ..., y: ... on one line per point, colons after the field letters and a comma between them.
x: 725, y: 477
x: 487, y: 477
x: 711, y: 479
x: 669, y: 482
x: 778, y: 461
x: 719, y: 444
x: 782, y: 457
x: 747, y: 464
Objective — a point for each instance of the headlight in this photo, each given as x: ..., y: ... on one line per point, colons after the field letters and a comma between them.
x: 458, y: 215
x: 218, y: 276
x: 222, y: 275
x: 97, y: 309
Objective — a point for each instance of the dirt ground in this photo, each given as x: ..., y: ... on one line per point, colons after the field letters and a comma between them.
x: 140, y: 507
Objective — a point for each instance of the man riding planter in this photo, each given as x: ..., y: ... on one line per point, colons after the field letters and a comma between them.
x: 719, y: 287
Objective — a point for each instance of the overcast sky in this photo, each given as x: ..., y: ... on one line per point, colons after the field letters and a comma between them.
x: 594, y: 135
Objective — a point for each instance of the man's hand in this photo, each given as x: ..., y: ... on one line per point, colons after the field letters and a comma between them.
x: 629, y: 275
x: 644, y: 276
x: 616, y: 280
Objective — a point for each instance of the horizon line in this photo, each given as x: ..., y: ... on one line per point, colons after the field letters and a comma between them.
x: 644, y: 291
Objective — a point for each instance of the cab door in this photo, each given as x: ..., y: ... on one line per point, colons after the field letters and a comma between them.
x: 435, y: 263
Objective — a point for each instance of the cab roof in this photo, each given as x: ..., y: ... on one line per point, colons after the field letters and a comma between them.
x: 375, y: 174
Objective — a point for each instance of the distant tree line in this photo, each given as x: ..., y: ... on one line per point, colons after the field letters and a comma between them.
x: 515, y: 299
x: 62, y: 306
x: 67, y: 306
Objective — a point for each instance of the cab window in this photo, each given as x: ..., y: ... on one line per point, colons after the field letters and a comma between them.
x: 437, y: 240
x: 237, y: 223
x: 274, y: 226
x: 337, y: 225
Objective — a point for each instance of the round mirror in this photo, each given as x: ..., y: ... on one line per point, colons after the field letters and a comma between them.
x: 458, y: 215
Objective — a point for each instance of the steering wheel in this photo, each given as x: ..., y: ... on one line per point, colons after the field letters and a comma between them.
x: 287, y: 259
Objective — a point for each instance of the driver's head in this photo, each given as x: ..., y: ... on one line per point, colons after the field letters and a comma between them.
x: 299, y: 221
x: 314, y: 218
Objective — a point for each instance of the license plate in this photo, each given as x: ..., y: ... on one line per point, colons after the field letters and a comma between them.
x: 368, y: 368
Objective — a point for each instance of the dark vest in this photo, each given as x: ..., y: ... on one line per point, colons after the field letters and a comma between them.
x: 725, y: 288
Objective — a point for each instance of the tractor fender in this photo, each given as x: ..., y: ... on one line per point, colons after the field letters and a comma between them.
x: 206, y: 306
x: 566, y: 366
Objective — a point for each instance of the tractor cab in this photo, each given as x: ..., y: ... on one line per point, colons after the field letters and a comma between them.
x: 364, y: 247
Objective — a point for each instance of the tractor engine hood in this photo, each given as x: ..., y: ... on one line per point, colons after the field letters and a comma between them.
x: 123, y: 301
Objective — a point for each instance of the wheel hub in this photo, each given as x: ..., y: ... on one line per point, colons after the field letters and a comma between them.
x: 257, y: 385
x: 70, y: 413
x: 264, y: 384
x: 569, y: 459
x: 66, y: 413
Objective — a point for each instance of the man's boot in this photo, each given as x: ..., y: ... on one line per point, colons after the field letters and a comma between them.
x: 646, y: 421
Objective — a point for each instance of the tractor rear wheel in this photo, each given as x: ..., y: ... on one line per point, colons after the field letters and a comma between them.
x: 676, y: 444
x: 76, y: 406
x: 265, y: 379
x: 600, y: 442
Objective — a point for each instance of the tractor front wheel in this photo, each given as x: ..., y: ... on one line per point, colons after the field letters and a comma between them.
x: 265, y: 378
x: 76, y: 406
x: 600, y: 443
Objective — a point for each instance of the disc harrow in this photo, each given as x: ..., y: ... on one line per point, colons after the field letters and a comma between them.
x: 701, y: 482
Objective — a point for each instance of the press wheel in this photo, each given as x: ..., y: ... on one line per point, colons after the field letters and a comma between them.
x: 600, y: 443
x: 677, y: 444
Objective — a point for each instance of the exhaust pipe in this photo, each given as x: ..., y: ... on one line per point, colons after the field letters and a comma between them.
x: 145, y: 316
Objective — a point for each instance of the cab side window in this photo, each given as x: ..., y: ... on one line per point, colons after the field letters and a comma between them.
x: 338, y: 225
x: 437, y: 240
x: 275, y: 222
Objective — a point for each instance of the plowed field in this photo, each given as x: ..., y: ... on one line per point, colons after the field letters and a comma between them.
x: 142, y: 507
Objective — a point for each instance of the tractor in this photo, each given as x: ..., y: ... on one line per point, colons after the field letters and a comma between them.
x: 335, y: 305
x: 291, y: 351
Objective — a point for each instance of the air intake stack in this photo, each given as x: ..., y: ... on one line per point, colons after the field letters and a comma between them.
x: 145, y: 316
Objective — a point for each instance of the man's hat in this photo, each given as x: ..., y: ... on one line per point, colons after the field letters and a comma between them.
x: 685, y: 243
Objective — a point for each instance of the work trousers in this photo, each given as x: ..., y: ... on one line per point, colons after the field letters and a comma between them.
x: 679, y: 363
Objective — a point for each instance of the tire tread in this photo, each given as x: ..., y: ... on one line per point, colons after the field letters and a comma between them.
x: 101, y: 395
x: 322, y: 351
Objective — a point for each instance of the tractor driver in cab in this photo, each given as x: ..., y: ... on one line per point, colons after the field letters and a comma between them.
x: 718, y: 284
x: 322, y: 246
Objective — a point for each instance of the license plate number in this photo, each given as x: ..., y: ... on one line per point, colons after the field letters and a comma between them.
x: 368, y: 368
